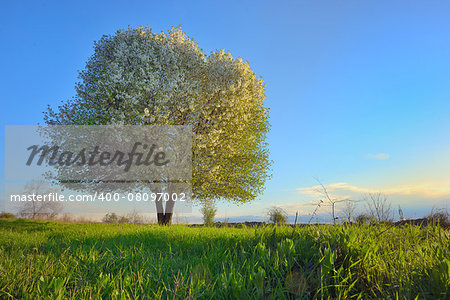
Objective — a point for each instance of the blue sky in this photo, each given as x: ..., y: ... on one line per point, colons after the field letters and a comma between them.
x: 358, y: 91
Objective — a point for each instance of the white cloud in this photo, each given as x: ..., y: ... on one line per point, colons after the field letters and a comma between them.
x: 378, y: 156
x: 344, y: 189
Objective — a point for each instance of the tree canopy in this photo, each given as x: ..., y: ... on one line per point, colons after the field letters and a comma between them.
x: 138, y: 77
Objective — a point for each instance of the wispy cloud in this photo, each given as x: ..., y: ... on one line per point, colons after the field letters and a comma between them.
x: 421, y: 196
x: 422, y: 190
x: 378, y: 156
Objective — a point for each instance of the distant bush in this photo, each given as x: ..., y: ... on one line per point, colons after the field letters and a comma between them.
x: 135, y: 217
x: 208, y: 211
x: 365, y: 219
x: 114, y: 218
x: 6, y: 215
x: 66, y: 217
x: 440, y: 216
x: 111, y: 218
x: 69, y: 218
x: 123, y: 220
x: 277, y: 215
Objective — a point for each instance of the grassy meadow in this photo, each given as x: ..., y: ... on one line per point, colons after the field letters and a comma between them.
x: 102, y: 261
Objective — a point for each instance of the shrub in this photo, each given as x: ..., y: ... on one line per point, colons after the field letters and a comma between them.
x: 6, y: 215
x: 277, y: 215
x: 380, y: 207
x: 110, y: 218
x: 365, y: 219
x: 135, y: 217
x: 123, y: 220
x: 440, y: 216
x: 209, y: 211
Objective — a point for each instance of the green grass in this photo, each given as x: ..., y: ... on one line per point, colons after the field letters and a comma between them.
x: 56, y: 260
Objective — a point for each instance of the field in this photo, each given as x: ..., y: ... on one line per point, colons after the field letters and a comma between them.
x: 58, y: 260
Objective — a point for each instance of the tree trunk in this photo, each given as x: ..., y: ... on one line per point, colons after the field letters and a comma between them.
x: 164, y: 215
x: 165, y: 218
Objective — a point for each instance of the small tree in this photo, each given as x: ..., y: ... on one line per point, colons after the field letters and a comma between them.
x: 39, y: 209
x: 348, y: 209
x: 329, y: 199
x: 135, y: 217
x: 277, y: 215
x: 379, y: 207
x: 364, y: 219
x: 110, y: 218
x: 208, y: 211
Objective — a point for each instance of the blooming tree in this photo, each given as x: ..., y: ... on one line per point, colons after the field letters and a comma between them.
x: 137, y: 76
